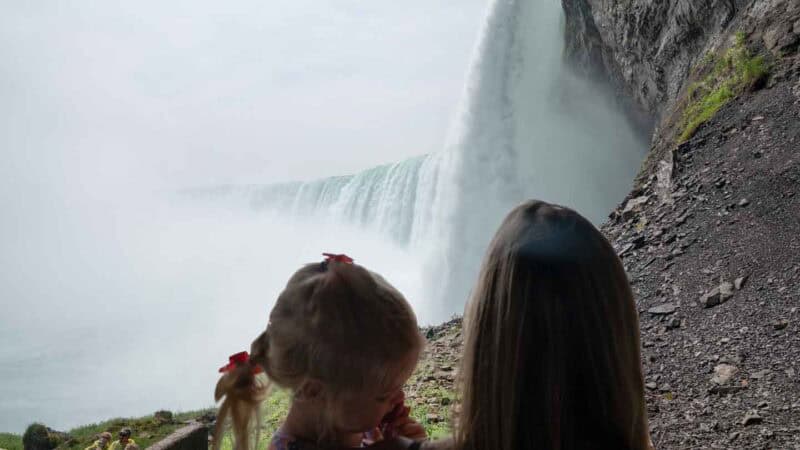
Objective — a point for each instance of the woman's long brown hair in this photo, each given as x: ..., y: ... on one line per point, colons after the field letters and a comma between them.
x: 551, y: 341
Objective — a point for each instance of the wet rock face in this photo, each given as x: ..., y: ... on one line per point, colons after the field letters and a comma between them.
x: 647, y: 48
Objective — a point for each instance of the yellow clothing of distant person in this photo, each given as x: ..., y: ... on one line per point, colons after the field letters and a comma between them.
x: 117, y: 445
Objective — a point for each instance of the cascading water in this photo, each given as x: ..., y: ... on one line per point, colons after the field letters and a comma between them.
x: 393, y: 199
x: 526, y: 129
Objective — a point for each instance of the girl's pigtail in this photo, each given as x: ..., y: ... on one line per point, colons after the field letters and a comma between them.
x: 241, y: 390
x: 259, y: 351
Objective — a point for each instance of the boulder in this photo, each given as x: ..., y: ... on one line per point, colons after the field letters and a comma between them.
x: 718, y: 295
x: 634, y: 206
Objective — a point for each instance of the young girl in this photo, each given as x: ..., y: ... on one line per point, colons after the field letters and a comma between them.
x: 344, y: 341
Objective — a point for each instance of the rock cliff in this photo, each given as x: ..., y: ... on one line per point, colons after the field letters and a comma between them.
x: 710, y: 233
x: 649, y: 50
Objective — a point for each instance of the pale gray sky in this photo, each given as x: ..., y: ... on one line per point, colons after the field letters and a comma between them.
x: 101, y: 95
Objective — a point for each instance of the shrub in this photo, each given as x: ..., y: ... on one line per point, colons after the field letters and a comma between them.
x: 163, y: 416
x: 37, y: 437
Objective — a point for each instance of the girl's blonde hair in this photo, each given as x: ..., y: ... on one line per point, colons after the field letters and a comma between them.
x: 551, y: 358
x: 335, y: 322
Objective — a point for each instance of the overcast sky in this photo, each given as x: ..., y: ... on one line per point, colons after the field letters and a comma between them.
x: 98, y: 95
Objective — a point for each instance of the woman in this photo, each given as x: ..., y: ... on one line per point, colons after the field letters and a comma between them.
x: 551, y: 352
x: 551, y: 357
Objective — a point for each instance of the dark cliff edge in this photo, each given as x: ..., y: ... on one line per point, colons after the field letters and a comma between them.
x: 710, y: 233
x: 651, y: 51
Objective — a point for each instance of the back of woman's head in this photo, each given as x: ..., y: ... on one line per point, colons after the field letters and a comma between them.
x: 552, y: 341
x: 335, y: 323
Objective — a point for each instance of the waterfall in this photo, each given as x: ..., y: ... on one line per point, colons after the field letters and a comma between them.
x: 394, y: 200
x: 527, y: 128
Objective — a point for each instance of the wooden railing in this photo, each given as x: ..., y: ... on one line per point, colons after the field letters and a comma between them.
x: 191, y: 437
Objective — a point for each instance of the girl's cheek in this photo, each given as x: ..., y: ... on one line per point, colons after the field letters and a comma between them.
x: 395, y: 398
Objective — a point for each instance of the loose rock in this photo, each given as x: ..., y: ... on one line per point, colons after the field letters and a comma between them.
x: 663, y: 309
x: 752, y: 418
x: 718, y: 295
x: 633, y: 206
x: 780, y: 325
x: 723, y: 373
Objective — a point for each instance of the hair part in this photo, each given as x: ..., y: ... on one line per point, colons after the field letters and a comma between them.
x: 551, y: 357
x: 336, y: 323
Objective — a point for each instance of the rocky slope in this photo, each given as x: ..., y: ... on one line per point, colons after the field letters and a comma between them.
x: 431, y: 392
x: 716, y: 275
x: 710, y: 235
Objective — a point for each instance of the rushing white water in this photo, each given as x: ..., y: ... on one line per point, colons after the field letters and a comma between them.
x: 393, y: 199
x: 527, y: 129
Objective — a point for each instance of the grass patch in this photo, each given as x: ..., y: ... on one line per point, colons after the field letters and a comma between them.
x: 276, y: 406
x: 273, y: 412
x: 439, y: 404
x: 9, y: 441
x: 732, y: 72
x: 147, y: 431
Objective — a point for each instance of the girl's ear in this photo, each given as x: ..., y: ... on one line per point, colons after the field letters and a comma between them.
x: 311, y: 389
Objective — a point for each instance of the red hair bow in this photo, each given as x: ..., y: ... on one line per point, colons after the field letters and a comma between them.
x: 338, y: 258
x: 236, y: 360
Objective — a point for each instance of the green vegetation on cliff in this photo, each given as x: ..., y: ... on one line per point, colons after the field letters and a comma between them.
x: 731, y: 73
x: 147, y: 430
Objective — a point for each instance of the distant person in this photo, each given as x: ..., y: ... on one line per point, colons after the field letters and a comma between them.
x: 102, y: 442
x: 123, y: 441
x: 551, y: 343
x: 344, y: 341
